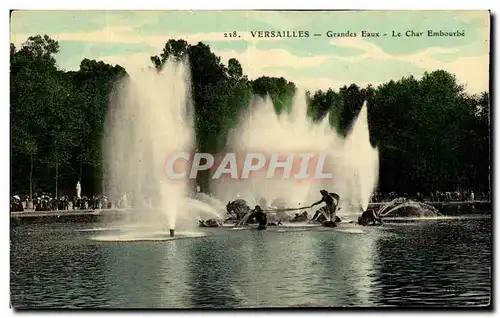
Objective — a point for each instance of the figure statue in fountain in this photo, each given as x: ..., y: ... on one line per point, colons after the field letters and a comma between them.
x: 369, y: 216
x: 327, y: 215
x: 260, y: 217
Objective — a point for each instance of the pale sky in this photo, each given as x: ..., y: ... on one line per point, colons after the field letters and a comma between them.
x: 129, y: 38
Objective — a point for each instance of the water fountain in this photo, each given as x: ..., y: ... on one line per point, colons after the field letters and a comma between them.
x: 352, y: 161
x: 150, y: 107
x: 403, y: 207
x: 150, y: 118
x: 361, y: 163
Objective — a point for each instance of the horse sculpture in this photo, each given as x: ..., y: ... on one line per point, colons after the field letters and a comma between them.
x: 237, y: 209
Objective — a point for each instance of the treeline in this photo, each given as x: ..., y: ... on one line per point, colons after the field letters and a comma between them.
x: 57, y: 119
x: 430, y: 133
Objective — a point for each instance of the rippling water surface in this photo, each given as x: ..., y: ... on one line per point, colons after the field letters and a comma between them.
x: 428, y: 263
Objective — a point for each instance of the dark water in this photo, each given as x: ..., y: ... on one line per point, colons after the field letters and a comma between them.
x: 431, y: 263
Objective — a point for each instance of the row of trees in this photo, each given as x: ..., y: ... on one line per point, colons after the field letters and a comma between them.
x: 57, y: 119
x: 430, y: 133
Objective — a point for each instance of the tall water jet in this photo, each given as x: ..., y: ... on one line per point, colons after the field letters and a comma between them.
x: 150, y: 118
x: 361, y: 161
x: 352, y: 161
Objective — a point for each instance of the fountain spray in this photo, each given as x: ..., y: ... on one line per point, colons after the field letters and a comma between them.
x: 150, y: 118
x: 352, y: 160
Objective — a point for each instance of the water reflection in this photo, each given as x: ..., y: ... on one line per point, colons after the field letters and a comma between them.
x: 278, y: 268
x: 346, y: 262
x: 421, y: 264
x: 49, y: 270
x: 146, y: 274
x: 434, y: 264
x: 252, y: 269
x: 211, y: 267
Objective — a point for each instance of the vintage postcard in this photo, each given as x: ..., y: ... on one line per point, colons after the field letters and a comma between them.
x: 250, y: 159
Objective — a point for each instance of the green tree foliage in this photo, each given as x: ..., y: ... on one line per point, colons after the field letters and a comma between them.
x: 430, y: 133
x: 427, y: 132
x: 56, y: 119
x: 324, y: 103
x: 279, y: 90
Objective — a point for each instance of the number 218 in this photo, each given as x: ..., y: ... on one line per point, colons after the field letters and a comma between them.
x: 233, y: 34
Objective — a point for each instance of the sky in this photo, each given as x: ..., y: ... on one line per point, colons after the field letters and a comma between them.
x: 130, y: 38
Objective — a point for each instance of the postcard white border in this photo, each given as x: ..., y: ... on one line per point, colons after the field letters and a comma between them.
x: 198, y: 5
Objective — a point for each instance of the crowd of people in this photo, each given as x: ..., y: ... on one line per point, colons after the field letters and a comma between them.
x: 435, y: 196
x: 47, y: 202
